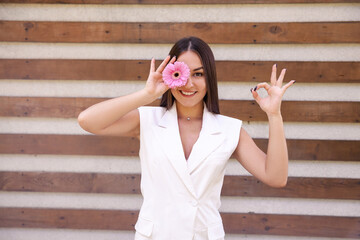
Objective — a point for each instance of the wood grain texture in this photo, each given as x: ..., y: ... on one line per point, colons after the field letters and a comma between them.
x: 212, y: 33
x: 297, y: 187
x: 295, y: 111
x: 70, y: 182
x: 305, y: 149
x: 241, y: 223
x: 177, y: 1
x: 68, y: 218
x: 45, y: 106
x: 68, y: 145
x: 292, y: 111
x: 292, y: 225
x: 130, y: 70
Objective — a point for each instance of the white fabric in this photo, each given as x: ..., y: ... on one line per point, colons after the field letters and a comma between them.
x: 182, y: 198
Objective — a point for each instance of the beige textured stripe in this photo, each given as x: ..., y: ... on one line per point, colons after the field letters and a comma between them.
x: 70, y: 163
x: 227, y: 91
x: 246, y: 52
x: 297, y: 168
x: 316, y: 207
x: 189, y: 13
x: 107, y: 164
x: 60, y: 234
x: 326, y: 131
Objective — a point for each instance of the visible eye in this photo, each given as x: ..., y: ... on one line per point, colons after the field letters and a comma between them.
x: 198, y: 74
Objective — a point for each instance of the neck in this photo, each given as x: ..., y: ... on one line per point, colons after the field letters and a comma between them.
x: 193, y: 113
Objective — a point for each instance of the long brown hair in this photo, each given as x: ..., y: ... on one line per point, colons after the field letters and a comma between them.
x: 198, y: 46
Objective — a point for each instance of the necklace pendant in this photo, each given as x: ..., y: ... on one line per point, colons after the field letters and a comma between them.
x: 188, y: 119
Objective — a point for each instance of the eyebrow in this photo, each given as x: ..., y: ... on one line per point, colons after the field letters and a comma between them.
x: 198, y: 68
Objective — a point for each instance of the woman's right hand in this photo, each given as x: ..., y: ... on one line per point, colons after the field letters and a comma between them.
x: 155, y: 85
x: 120, y: 116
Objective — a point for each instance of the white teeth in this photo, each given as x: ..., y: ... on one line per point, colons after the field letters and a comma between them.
x: 187, y: 93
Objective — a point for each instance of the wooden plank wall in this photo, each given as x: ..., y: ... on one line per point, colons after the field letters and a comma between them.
x: 59, y: 57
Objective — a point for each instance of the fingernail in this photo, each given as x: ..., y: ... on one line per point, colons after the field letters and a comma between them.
x: 294, y: 81
x: 251, y: 90
x: 255, y: 88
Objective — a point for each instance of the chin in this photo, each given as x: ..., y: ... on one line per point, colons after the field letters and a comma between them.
x: 189, y: 104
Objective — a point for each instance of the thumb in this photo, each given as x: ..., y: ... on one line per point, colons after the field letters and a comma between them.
x: 152, y: 65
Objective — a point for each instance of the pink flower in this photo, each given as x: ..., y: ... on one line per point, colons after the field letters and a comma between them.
x: 176, y: 75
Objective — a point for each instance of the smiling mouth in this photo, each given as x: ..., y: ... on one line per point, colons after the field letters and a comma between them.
x: 187, y: 93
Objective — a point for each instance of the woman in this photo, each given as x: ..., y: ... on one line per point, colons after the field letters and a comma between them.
x: 185, y: 144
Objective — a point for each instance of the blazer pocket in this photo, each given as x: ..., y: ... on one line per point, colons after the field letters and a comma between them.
x: 144, y: 226
x: 216, y: 232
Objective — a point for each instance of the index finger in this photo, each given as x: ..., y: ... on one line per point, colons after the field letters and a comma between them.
x: 163, y: 64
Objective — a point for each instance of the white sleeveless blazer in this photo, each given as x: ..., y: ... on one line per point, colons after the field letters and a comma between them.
x: 182, y: 197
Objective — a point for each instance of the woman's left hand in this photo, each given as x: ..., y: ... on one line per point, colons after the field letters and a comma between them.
x: 271, y: 104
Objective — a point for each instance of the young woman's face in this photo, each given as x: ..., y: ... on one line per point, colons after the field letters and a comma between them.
x: 194, y: 91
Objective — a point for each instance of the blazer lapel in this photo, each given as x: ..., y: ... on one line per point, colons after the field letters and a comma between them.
x: 209, y: 140
x: 169, y: 137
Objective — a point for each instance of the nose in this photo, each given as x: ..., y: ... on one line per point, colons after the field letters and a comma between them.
x: 189, y: 83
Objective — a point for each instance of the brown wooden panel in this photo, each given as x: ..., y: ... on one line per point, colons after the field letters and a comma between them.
x: 228, y: 71
x: 70, y: 182
x: 305, y: 149
x: 144, y: 32
x: 68, y: 218
x: 302, y: 72
x: 292, y: 225
x: 292, y: 111
x: 68, y: 145
x: 297, y: 187
x: 241, y: 223
x: 45, y: 106
x: 295, y: 111
x: 176, y: 1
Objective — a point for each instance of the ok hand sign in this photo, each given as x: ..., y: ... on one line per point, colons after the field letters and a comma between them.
x: 271, y: 104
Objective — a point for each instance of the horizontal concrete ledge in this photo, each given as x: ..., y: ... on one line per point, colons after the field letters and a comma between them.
x: 107, y: 164
x: 293, y: 130
x: 60, y: 234
x: 227, y: 90
x: 189, y: 13
x: 245, y: 52
x: 316, y: 207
